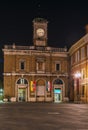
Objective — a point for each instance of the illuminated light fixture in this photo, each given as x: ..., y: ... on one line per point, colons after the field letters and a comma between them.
x: 1, y: 90
x: 77, y: 75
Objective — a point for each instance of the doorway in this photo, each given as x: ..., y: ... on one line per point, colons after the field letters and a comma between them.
x: 57, y: 95
x: 21, y: 94
x: 58, y: 90
x: 22, y: 90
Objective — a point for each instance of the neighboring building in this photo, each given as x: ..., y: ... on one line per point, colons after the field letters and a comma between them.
x: 38, y: 72
x: 79, y: 70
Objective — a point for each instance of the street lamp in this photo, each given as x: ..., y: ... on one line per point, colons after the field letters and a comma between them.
x: 77, y: 76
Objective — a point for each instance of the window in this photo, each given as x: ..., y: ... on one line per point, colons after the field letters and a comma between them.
x: 58, y: 81
x: 87, y: 50
x: 57, y: 67
x: 83, y: 90
x: 73, y: 59
x: 22, y: 65
x: 77, y: 56
x: 83, y: 72
x: 77, y: 83
x: 22, y: 81
x: 40, y: 65
x: 82, y: 53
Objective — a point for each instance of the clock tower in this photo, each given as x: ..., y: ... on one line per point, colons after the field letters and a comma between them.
x: 40, y: 32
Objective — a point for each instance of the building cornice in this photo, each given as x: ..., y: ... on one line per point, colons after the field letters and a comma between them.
x: 33, y: 52
x: 77, y: 65
x: 34, y: 74
x: 78, y: 44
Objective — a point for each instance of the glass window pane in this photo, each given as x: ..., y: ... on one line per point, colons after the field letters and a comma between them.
x: 57, y: 67
x: 22, y: 65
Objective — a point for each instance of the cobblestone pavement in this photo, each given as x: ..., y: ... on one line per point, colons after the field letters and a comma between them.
x: 43, y: 116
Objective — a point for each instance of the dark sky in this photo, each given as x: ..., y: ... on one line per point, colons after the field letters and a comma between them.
x: 66, y: 21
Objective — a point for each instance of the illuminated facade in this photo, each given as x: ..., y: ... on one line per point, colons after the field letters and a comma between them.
x: 79, y: 70
x: 36, y: 73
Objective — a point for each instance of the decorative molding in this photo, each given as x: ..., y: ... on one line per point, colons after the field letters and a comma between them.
x: 26, y: 52
x: 34, y: 74
x: 77, y: 65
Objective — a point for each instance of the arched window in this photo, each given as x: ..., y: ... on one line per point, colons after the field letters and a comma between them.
x: 22, y: 81
x: 58, y: 81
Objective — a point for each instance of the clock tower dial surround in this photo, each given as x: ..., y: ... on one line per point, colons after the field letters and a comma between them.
x: 40, y: 32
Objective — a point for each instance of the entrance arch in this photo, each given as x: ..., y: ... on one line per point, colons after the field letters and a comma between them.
x: 58, y: 85
x: 40, y: 90
x: 22, y: 90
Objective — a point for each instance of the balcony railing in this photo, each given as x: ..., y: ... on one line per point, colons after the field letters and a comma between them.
x: 39, y: 48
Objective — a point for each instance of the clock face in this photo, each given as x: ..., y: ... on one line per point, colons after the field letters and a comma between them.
x: 40, y: 32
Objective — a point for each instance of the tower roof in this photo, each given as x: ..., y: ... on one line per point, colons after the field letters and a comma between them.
x: 40, y: 20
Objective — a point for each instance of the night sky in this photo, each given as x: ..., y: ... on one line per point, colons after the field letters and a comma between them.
x: 67, y: 20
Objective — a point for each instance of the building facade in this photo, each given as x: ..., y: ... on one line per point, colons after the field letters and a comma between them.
x: 78, y: 55
x: 36, y: 73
